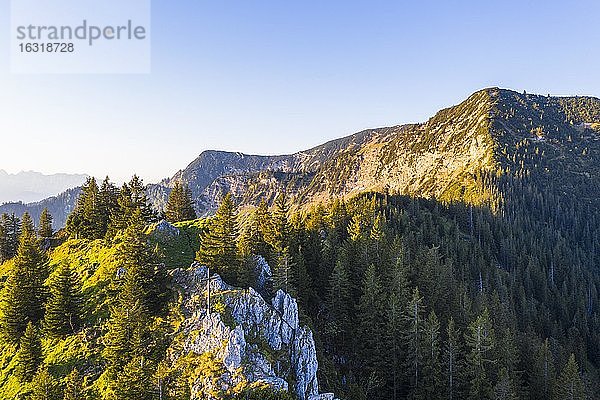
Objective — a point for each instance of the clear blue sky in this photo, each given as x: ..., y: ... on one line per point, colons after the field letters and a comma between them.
x: 274, y: 77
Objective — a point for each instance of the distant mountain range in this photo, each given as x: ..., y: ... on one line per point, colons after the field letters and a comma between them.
x: 32, y: 186
x: 445, y: 158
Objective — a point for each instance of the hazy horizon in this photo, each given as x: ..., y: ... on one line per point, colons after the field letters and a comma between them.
x: 33, y: 186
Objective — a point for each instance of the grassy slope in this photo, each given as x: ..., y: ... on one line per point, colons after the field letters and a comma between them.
x: 95, y: 264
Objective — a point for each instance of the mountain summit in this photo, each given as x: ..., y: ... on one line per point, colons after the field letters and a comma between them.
x: 447, y: 158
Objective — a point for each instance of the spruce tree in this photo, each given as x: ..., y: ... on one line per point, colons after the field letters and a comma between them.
x: 135, y: 381
x: 85, y: 222
x: 107, y: 204
x: 120, y: 216
x: 44, y: 386
x: 414, y: 339
x: 136, y: 258
x: 504, y: 389
x: 14, y: 234
x: 173, y: 209
x: 180, y: 206
x: 64, y: 308
x: 139, y: 199
x: 138, y: 297
x: 395, y: 328
x: 73, y: 386
x: 569, y: 385
x: 189, y: 212
x: 509, y: 359
x: 14, y: 315
x: 127, y: 335
x: 377, y: 237
x: 283, y: 273
x: 218, y: 247
x: 29, y: 355
x: 355, y: 229
x: 452, y: 362
x: 27, y: 226
x: 281, y: 225
x: 130, y: 199
x: 481, y: 343
x: 543, y: 373
x: 9, y: 240
x: 370, y: 314
x: 24, y: 291
x: 338, y: 305
x: 257, y: 232
x: 303, y: 283
x: 45, y: 225
x: 432, y: 367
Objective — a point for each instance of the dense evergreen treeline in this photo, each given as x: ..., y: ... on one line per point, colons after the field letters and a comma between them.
x: 102, y: 211
x: 431, y: 301
x: 414, y: 299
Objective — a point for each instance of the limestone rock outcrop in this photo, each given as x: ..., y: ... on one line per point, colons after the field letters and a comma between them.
x: 255, y: 341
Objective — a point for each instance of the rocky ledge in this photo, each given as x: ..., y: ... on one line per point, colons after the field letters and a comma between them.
x: 256, y: 341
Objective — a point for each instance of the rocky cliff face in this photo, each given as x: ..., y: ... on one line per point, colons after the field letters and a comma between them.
x: 253, y: 340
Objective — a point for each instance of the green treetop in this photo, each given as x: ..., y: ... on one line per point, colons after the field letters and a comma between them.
x: 218, y: 248
x: 45, y: 225
x: 29, y: 355
x: 180, y: 206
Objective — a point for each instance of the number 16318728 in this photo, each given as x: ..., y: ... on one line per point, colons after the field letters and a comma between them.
x: 47, y: 47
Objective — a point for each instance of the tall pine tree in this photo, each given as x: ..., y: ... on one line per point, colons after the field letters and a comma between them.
x: 107, y: 204
x: 44, y: 386
x: 281, y: 224
x: 431, y: 387
x: 481, y: 343
x: 338, y: 305
x: 10, y: 231
x: 135, y: 381
x: 85, y: 222
x: 45, y: 230
x: 180, y: 206
x: 64, y: 307
x: 218, y: 247
x: 543, y: 373
x: 24, y: 291
x: 453, y: 362
x: 257, y: 232
x: 138, y: 260
x: 29, y: 355
x: 73, y: 386
x: 414, y: 339
x: 139, y: 199
x: 569, y: 385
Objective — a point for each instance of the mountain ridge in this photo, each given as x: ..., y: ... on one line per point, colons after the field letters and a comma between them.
x: 448, y: 157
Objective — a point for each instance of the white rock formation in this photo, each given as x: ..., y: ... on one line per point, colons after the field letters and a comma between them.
x: 264, y: 275
x: 254, y: 340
